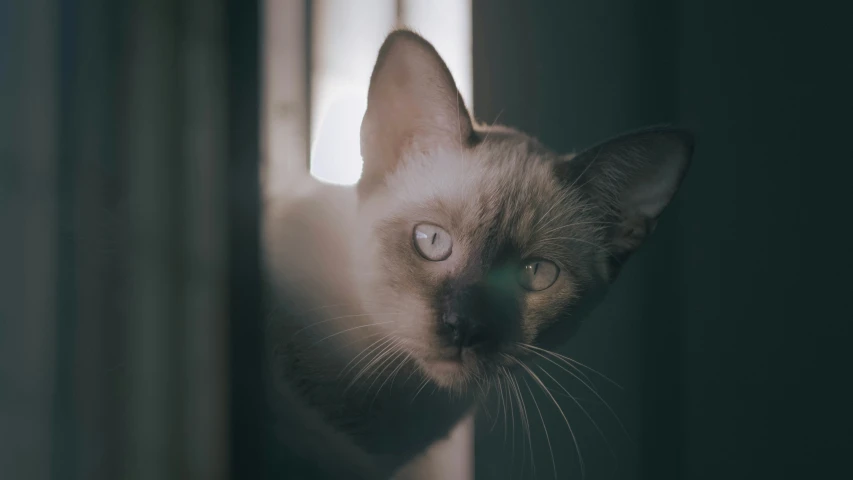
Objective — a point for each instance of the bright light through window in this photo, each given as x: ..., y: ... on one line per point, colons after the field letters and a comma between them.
x: 347, y: 36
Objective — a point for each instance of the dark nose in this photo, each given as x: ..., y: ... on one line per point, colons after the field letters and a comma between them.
x: 463, y: 331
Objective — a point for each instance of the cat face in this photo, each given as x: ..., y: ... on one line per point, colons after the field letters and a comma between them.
x: 489, y: 244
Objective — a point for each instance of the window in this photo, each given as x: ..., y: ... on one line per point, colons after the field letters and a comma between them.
x: 345, y: 37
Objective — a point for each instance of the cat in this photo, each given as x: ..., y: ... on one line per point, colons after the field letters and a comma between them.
x: 463, y: 251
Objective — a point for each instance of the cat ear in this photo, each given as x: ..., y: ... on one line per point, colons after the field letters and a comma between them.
x: 412, y: 105
x: 633, y: 177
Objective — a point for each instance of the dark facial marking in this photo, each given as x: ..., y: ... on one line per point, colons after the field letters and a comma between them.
x: 480, y: 312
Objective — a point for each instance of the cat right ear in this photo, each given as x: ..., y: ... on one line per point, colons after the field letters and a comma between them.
x: 633, y: 178
x: 413, y: 105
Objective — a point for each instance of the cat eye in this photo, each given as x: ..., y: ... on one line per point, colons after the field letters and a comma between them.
x: 432, y: 242
x: 538, y: 275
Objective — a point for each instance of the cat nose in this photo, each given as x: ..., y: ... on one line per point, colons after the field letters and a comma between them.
x: 462, y: 331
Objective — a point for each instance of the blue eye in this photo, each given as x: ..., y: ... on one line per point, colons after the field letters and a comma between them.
x: 432, y: 242
x: 537, y: 275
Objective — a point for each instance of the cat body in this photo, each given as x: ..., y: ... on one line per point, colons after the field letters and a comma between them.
x: 463, y: 253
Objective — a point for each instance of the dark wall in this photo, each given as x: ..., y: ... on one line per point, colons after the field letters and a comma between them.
x: 764, y: 229
x: 728, y: 330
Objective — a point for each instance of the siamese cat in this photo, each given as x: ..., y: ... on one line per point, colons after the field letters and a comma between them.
x: 462, y: 252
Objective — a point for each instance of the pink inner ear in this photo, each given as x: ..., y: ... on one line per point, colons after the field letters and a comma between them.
x: 413, y: 104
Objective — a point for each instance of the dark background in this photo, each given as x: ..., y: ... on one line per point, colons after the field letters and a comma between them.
x: 136, y: 123
x: 730, y: 330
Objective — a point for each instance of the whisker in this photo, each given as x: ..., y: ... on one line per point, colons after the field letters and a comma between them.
x: 379, y: 352
x: 595, y: 392
x: 399, y: 368
x: 364, y: 351
x: 349, y: 344
x: 387, y: 359
x: 331, y: 305
x: 483, y: 391
x: 576, y: 224
x: 270, y: 316
x: 542, y: 419
x: 411, y: 373
x: 499, y: 391
x: 514, y: 390
x: 535, y: 228
x: 572, y: 360
x: 511, y: 413
x: 380, y: 358
x: 493, y: 124
x: 504, y: 402
x: 581, y: 210
x: 586, y: 381
x: 402, y: 353
x: 554, y: 241
x: 345, y: 331
x: 603, y: 436
x: 525, y: 421
x: 548, y: 392
x: 423, y: 384
x: 597, y: 153
x: 527, y: 426
x: 297, y: 332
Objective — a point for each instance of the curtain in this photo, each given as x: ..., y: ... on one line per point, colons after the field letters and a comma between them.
x: 130, y: 316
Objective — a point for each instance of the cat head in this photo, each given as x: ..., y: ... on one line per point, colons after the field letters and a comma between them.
x: 490, y: 244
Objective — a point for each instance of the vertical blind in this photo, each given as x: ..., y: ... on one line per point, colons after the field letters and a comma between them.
x: 129, y: 323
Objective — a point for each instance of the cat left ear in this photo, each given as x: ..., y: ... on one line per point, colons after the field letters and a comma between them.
x: 633, y: 177
x: 412, y: 105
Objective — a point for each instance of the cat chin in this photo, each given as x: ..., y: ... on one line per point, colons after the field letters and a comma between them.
x: 447, y: 374
x: 450, y: 375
